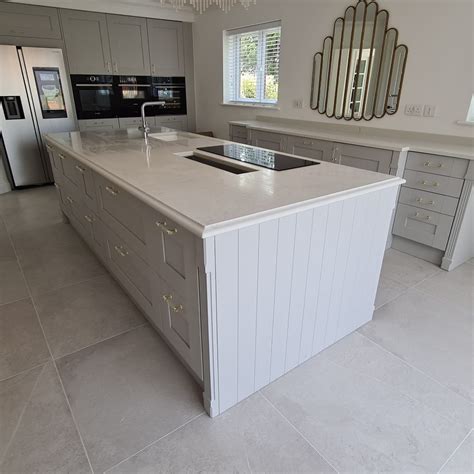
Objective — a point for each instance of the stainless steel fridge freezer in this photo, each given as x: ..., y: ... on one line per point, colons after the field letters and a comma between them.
x: 35, y: 100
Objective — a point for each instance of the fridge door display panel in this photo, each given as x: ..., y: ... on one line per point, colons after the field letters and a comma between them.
x: 50, y: 92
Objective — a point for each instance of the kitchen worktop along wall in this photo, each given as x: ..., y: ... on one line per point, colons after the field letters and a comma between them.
x: 439, y: 69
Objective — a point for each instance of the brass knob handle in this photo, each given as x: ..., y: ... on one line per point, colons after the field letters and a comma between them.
x: 429, y: 164
x: 121, y: 251
x: 419, y: 216
x: 111, y: 190
x: 164, y: 226
x: 176, y: 308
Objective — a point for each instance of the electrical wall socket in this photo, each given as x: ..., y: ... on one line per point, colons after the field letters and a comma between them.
x: 298, y: 103
x: 429, y: 111
x: 414, y: 110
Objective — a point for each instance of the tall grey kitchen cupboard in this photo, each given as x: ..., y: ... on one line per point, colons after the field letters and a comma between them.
x: 166, y: 47
x: 129, y: 45
x: 87, y: 42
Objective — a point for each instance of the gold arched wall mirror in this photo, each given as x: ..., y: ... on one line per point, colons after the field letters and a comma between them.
x: 359, y: 73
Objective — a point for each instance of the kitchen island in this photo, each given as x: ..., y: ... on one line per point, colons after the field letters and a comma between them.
x: 245, y: 271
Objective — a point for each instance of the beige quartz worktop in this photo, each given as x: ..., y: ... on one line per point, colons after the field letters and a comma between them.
x: 204, y: 199
x: 460, y: 147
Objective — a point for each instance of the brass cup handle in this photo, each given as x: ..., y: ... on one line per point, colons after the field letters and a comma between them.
x: 422, y: 201
x: 80, y: 169
x: 111, y: 190
x: 61, y: 156
x: 49, y: 147
x: 121, y: 251
x: 427, y: 183
x: 89, y: 219
x: 164, y: 226
x: 69, y: 199
x: 429, y: 164
x: 176, y: 308
x: 419, y: 216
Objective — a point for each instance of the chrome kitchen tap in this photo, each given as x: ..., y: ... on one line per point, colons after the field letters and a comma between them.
x: 145, y: 128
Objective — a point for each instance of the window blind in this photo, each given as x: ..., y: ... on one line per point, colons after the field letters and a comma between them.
x: 252, y: 64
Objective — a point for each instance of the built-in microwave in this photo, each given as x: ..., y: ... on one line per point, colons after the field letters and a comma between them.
x: 94, y: 96
x: 172, y: 91
x: 131, y: 92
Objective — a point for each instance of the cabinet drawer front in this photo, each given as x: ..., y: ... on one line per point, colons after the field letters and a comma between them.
x: 372, y: 159
x: 238, y: 131
x: 130, y: 122
x: 55, y: 163
x: 171, y: 253
x: 434, y: 183
x: 431, y: 201
x: 130, y: 269
x: 437, y: 164
x: 426, y: 227
x: 180, y: 323
x: 310, y: 148
x: 269, y: 140
x: 80, y: 178
x: 123, y: 213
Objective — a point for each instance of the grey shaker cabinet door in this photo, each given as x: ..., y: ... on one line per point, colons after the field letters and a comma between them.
x: 269, y: 140
x: 311, y: 148
x: 372, y: 159
x: 129, y: 45
x: 426, y: 227
x: 87, y: 42
x: 166, y: 47
x: 29, y: 21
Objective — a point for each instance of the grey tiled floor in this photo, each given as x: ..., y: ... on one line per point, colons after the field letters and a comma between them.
x: 86, y: 385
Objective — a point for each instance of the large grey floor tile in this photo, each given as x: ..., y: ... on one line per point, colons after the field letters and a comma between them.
x: 80, y: 315
x: 46, y: 440
x: 53, y: 235
x: 30, y: 209
x: 358, y: 353
x: 15, y: 393
x: 251, y: 437
x: 361, y: 424
x: 56, y: 266
x: 12, y: 283
x: 127, y: 392
x: 388, y: 290
x: 22, y: 345
x: 6, y: 248
x: 457, y: 286
x: 462, y: 461
x: 430, y: 334
x: 405, y: 269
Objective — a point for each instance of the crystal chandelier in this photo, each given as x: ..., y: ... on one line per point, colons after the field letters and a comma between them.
x: 203, y: 5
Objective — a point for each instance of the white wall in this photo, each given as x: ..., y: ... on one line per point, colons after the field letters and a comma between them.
x: 439, y: 70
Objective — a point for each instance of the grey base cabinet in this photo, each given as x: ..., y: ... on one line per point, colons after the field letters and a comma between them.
x: 154, y: 259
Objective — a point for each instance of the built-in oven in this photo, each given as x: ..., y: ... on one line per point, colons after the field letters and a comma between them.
x: 94, y: 96
x: 171, y: 91
x: 131, y: 92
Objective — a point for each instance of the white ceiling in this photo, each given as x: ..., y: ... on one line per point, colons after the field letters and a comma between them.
x: 143, y: 8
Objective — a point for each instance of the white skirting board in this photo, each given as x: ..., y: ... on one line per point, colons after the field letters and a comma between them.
x: 281, y: 291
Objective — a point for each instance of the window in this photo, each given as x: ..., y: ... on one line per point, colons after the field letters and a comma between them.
x: 252, y: 64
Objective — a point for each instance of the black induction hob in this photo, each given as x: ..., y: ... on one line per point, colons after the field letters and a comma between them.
x: 258, y: 157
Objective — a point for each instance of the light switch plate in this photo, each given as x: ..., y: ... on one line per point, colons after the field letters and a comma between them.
x: 298, y: 103
x: 429, y: 111
x: 415, y: 110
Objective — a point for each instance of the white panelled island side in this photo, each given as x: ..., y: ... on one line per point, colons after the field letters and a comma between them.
x: 246, y: 262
